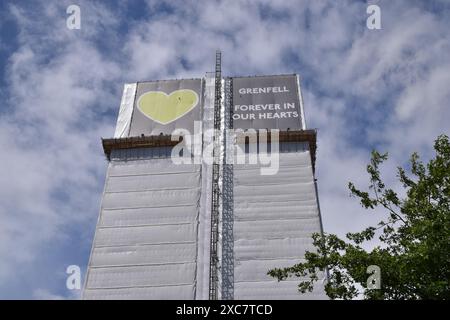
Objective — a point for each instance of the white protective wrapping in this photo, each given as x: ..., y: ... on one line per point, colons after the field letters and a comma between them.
x: 302, y: 109
x: 274, y: 217
x: 153, y: 234
x: 126, y: 110
x: 141, y: 293
x: 204, y: 230
x: 145, y: 245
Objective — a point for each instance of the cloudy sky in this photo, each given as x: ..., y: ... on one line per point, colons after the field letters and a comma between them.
x: 363, y: 89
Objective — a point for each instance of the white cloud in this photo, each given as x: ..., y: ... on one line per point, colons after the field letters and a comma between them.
x: 42, y: 294
x: 52, y: 163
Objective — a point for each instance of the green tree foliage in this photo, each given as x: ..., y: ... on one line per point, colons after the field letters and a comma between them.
x: 414, y: 234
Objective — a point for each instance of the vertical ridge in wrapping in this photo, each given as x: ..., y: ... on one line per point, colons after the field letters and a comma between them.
x: 126, y: 110
x: 203, y: 250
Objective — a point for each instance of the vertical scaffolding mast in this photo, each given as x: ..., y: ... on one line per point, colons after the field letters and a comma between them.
x: 227, y: 218
x: 213, y: 268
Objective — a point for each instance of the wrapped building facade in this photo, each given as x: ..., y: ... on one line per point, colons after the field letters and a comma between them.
x: 211, y: 224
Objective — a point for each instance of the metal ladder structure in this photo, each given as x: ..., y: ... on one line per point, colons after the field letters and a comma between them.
x: 215, y: 205
x: 227, y: 218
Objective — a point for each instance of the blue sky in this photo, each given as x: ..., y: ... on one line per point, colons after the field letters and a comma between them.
x: 363, y: 89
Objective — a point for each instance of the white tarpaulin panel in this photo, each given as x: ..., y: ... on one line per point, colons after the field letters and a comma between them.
x: 289, y: 174
x: 148, y: 216
x: 145, y: 245
x: 275, y: 216
x: 142, y: 276
x: 297, y: 159
x: 182, y: 292
x: 291, y: 248
x: 276, y: 229
x: 126, y: 110
x: 162, y: 167
x: 274, y: 290
x: 144, y: 254
x: 256, y: 270
x: 275, y: 193
x: 154, y: 198
x: 150, y: 182
x: 286, y: 210
x: 145, y: 235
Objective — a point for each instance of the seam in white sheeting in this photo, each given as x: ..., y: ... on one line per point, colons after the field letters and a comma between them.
x: 276, y: 219
x: 248, y: 168
x: 150, y: 190
x: 146, y: 286
x: 151, y: 174
x: 146, y: 225
x: 142, y: 244
x: 270, y: 201
x: 289, y: 184
x: 276, y: 238
x: 271, y: 281
x: 148, y: 207
x: 273, y: 184
x: 266, y: 259
x: 273, y: 238
x: 141, y: 265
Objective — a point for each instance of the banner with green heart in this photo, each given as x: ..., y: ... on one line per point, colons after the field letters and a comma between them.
x: 165, y: 108
x: 162, y: 106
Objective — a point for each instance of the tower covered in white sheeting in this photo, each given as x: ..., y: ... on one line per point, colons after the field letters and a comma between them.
x: 212, y: 225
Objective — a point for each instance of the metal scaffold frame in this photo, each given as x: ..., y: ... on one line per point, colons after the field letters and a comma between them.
x: 227, y: 197
x: 215, y: 205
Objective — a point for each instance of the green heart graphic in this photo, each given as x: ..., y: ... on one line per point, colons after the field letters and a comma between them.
x: 164, y: 108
